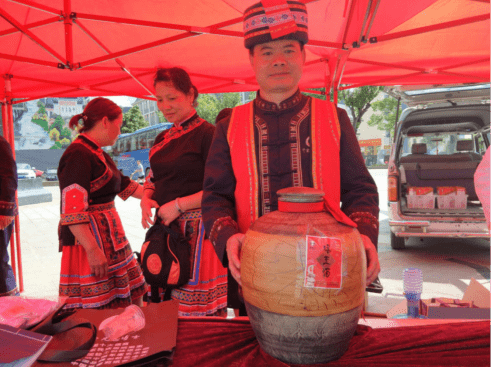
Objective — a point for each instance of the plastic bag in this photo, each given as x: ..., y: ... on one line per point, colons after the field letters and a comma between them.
x: 22, y: 312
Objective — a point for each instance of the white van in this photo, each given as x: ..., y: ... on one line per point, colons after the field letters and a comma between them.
x: 438, y: 144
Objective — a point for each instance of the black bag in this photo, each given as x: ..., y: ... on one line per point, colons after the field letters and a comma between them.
x: 72, y: 337
x: 165, y: 257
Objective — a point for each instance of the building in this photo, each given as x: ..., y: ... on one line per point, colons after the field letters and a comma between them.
x: 148, y: 109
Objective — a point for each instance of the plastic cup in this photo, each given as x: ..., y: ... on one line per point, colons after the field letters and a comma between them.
x: 131, y: 320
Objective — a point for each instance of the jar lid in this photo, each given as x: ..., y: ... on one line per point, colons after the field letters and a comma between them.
x: 300, y: 195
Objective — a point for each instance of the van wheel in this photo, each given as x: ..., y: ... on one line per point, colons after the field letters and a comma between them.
x: 396, y: 242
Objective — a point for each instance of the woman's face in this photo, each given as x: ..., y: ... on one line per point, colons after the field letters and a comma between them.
x: 175, y: 105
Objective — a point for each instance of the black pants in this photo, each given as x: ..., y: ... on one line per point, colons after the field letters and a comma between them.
x: 7, y: 280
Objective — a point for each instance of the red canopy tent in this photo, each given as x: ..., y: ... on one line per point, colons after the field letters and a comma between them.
x: 74, y: 48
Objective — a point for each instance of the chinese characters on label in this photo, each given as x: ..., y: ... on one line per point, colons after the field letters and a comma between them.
x: 323, y: 262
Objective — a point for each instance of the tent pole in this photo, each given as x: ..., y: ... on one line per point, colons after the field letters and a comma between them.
x: 68, y: 32
x: 426, y: 29
x: 30, y: 35
x: 120, y: 63
x: 14, y: 241
x: 327, y: 79
x: 397, y: 110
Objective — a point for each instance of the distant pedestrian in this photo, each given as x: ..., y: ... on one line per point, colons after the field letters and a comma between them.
x: 139, y: 171
x: 98, y: 268
x: 8, y: 211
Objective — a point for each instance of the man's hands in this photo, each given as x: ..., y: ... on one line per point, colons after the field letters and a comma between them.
x: 97, y: 262
x: 234, y: 245
x: 146, y: 205
x: 373, y: 265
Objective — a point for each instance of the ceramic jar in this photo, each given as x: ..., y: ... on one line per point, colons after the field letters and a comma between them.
x: 303, y: 279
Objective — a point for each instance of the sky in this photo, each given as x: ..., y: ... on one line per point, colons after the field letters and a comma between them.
x: 122, y: 100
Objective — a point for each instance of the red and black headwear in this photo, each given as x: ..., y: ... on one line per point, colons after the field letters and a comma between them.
x: 271, y: 20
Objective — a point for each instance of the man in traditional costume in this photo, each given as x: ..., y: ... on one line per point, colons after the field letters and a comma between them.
x: 283, y: 139
x: 8, y: 211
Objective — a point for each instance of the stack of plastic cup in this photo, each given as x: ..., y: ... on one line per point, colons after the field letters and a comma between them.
x: 413, y: 287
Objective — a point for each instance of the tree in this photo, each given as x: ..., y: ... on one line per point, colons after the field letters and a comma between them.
x: 65, y: 133
x: 209, y: 105
x: 58, y: 124
x: 54, y: 134
x: 316, y: 95
x: 133, y: 120
x: 358, y: 101
x: 42, y: 109
x: 161, y: 116
x: 65, y: 142
x: 384, y: 115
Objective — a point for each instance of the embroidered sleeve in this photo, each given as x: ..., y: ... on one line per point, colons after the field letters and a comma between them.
x: 149, y: 182
x: 5, y: 221
x: 129, y: 190
x: 8, y: 209
x: 74, y: 205
x: 218, y: 203
x: 74, y: 173
x: 367, y: 225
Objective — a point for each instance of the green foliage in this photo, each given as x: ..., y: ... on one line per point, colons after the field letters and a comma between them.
x: 41, y: 122
x: 42, y: 109
x: 65, y: 142
x: 57, y: 145
x: 58, y: 124
x: 133, y: 120
x: 209, y: 105
x: 54, y: 134
x: 384, y: 115
x: 316, y: 95
x: 358, y: 101
x: 65, y: 133
x: 161, y: 116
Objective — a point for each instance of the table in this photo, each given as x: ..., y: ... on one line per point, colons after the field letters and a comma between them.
x: 210, y: 341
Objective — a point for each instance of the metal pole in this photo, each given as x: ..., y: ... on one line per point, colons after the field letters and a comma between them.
x: 14, y: 245
x: 397, y: 110
x: 68, y: 32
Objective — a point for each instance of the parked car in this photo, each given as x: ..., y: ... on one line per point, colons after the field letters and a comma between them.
x: 438, y: 144
x: 51, y: 174
x: 25, y: 171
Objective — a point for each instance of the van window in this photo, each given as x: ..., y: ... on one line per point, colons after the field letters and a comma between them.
x: 436, y: 143
x: 481, y: 145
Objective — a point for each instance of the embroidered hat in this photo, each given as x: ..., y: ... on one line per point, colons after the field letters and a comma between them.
x: 271, y: 20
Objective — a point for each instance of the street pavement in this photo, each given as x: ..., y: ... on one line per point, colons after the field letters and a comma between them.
x: 447, y: 264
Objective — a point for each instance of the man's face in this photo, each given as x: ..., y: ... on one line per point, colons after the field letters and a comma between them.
x: 278, y: 65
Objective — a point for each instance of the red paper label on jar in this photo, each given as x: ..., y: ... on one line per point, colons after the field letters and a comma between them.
x: 323, y: 263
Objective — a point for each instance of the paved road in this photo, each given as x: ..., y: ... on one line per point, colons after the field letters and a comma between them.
x: 447, y: 264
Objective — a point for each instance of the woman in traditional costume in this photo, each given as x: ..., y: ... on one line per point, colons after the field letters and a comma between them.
x: 174, y: 186
x: 98, y: 268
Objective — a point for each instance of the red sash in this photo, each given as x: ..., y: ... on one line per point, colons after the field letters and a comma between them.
x: 325, y: 160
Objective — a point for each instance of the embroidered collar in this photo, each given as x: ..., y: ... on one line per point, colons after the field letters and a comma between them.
x: 190, y: 117
x: 89, y: 141
x: 290, y: 102
x: 185, y: 125
x: 176, y: 132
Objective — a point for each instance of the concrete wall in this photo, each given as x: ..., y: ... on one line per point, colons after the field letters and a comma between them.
x: 41, y: 159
